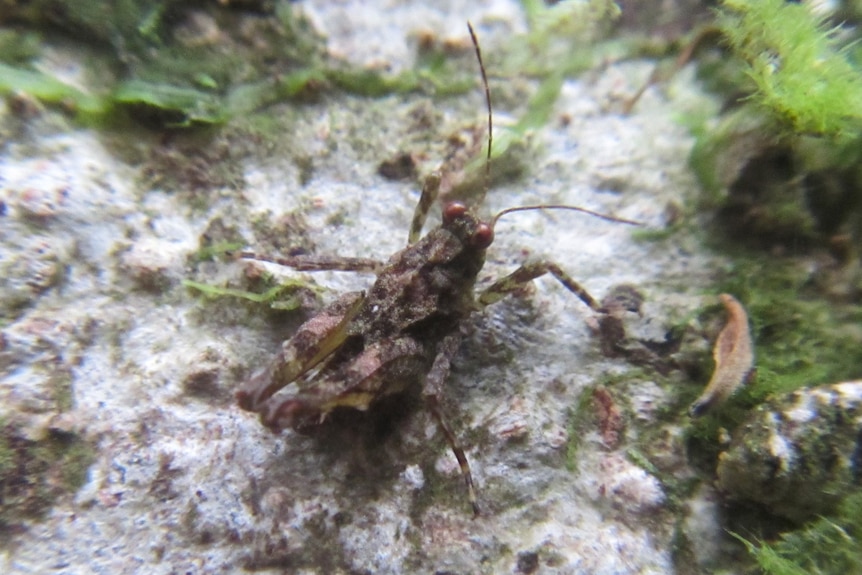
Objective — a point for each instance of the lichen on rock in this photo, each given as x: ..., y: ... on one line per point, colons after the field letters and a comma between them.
x: 798, y: 455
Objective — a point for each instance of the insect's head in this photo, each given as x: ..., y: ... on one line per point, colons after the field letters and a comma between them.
x: 460, y: 222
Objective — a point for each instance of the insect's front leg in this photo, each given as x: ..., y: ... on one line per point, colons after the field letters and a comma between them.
x: 432, y: 392
x: 430, y: 190
x: 527, y: 273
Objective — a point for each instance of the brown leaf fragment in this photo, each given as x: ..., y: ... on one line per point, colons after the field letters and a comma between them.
x: 734, y: 358
x: 610, y: 418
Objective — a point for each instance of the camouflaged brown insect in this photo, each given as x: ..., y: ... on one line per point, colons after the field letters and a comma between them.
x: 403, y: 332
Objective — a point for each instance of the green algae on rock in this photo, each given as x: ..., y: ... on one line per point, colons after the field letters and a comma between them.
x: 34, y: 472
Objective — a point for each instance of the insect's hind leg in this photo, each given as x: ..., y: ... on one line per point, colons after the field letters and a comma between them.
x: 432, y: 393
x: 310, y: 263
x: 527, y: 273
x: 313, y: 342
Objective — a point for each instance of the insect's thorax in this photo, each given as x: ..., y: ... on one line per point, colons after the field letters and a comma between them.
x: 424, y: 290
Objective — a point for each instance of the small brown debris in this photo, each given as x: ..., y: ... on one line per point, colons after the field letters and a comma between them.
x: 162, y: 487
x: 612, y: 331
x: 734, y: 358
x: 400, y: 167
x: 611, y: 328
x: 623, y: 298
x: 528, y: 562
x: 610, y: 418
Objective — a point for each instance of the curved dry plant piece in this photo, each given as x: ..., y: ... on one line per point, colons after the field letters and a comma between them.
x: 734, y: 358
x: 662, y: 74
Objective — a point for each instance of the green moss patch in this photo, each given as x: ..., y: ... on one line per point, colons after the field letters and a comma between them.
x: 827, y: 546
x: 803, y: 77
x: 800, y: 339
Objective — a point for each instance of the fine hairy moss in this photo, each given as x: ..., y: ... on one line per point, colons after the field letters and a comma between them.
x: 826, y: 546
x: 803, y: 78
x: 781, y: 164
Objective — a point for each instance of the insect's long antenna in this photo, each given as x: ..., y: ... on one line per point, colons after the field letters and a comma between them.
x: 563, y: 207
x: 488, y: 101
x: 491, y: 142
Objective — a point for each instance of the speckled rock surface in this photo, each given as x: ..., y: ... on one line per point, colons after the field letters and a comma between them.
x: 799, y: 454
x: 93, y: 254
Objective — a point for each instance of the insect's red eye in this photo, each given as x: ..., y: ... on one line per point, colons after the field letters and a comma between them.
x: 453, y: 210
x: 483, y: 236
